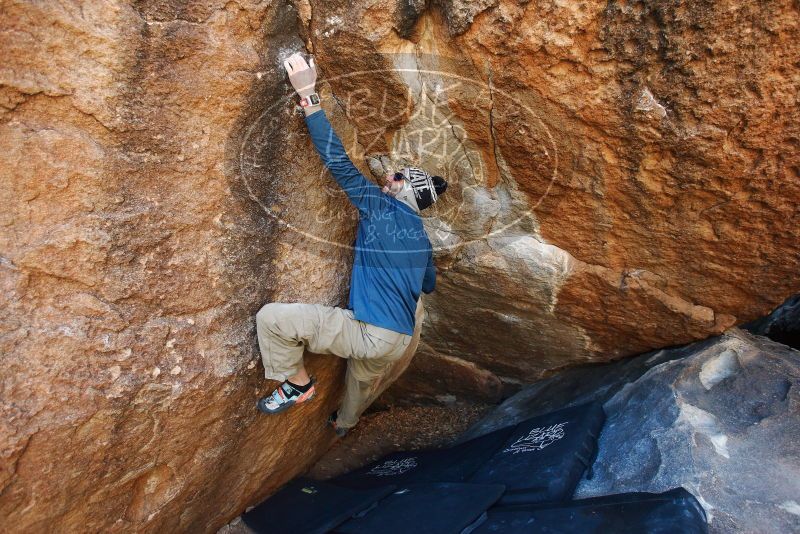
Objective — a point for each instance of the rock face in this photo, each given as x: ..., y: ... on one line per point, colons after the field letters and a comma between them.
x: 141, y: 161
x: 724, y: 423
x: 623, y: 176
x: 718, y: 417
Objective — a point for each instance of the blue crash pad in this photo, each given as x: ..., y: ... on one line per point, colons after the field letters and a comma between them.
x: 454, y: 464
x: 311, y: 507
x: 544, y: 457
x: 671, y: 512
x: 428, y: 508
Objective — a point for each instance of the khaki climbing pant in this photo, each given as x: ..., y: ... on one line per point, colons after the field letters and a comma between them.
x: 285, y: 330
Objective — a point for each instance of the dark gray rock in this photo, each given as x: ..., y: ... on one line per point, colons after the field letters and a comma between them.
x: 782, y: 325
x: 720, y: 418
x: 574, y: 386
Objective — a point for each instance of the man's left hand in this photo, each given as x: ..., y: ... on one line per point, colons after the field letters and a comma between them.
x: 302, y: 76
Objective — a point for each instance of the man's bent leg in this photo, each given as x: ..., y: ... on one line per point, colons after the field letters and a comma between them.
x: 367, y: 378
x: 285, y: 330
x: 360, y: 384
x: 282, y: 329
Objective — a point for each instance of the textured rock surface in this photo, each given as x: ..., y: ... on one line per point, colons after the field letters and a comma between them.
x: 443, y: 379
x: 724, y: 423
x: 623, y: 176
x: 719, y: 417
x: 138, y: 154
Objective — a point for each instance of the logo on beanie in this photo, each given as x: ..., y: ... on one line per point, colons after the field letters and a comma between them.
x: 426, y: 188
x: 430, y: 120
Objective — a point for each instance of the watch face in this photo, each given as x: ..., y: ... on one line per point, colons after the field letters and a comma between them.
x: 314, y: 99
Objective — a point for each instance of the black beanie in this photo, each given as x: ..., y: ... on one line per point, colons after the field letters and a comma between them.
x: 426, y: 188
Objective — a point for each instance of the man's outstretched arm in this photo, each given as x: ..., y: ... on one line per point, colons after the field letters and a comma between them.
x: 359, y: 190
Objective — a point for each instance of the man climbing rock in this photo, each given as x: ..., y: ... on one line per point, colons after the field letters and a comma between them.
x: 393, y: 264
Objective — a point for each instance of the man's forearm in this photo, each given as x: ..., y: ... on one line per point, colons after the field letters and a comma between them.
x: 310, y: 110
x: 358, y: 189
x: 330, y: 148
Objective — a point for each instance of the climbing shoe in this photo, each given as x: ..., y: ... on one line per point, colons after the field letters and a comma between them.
x: 285, y: 396
x: 341, y: 432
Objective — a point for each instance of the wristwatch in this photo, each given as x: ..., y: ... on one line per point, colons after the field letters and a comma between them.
x: 310, y: 100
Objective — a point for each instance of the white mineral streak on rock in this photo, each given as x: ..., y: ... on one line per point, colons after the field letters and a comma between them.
x: 718, y: 369
x: 647, y: 103
x: 791, y: 506
x: 115, y: 371
x: 704, y: 423
x: 707, y: 506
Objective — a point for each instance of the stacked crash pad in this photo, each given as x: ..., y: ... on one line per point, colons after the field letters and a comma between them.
x: 518, y: 475
x: 542, y: 458
x: 426, y: 508
x: 312, y: 507
x: 453, y: 464
x: 674, y: 511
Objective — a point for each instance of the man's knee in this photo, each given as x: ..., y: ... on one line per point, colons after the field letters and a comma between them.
x: 267, y: 314
x: 284, y: 318
x: 270, y: 313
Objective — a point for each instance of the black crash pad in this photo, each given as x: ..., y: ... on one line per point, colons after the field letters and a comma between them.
x: 311, y: 507
x: 545, y: 457
x: 429, y: 508
x: 674, y: 511
x: 454, y: 464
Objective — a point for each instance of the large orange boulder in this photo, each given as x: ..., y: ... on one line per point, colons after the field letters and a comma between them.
x: 623, y: 176
x: 145, y: 149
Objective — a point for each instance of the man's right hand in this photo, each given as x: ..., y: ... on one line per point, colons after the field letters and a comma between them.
x: 302, y: 76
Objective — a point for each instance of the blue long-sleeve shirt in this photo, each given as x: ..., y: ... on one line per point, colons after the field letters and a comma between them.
x: 393, y: 256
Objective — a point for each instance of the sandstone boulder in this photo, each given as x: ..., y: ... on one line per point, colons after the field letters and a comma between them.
x: 146, y: 153
x: 623, y: 177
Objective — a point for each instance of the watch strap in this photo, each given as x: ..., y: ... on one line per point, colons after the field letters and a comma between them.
x: 310, y: 100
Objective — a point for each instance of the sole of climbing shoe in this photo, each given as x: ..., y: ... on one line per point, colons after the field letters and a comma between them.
x: 305, y: 397
x: 340, y: 432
